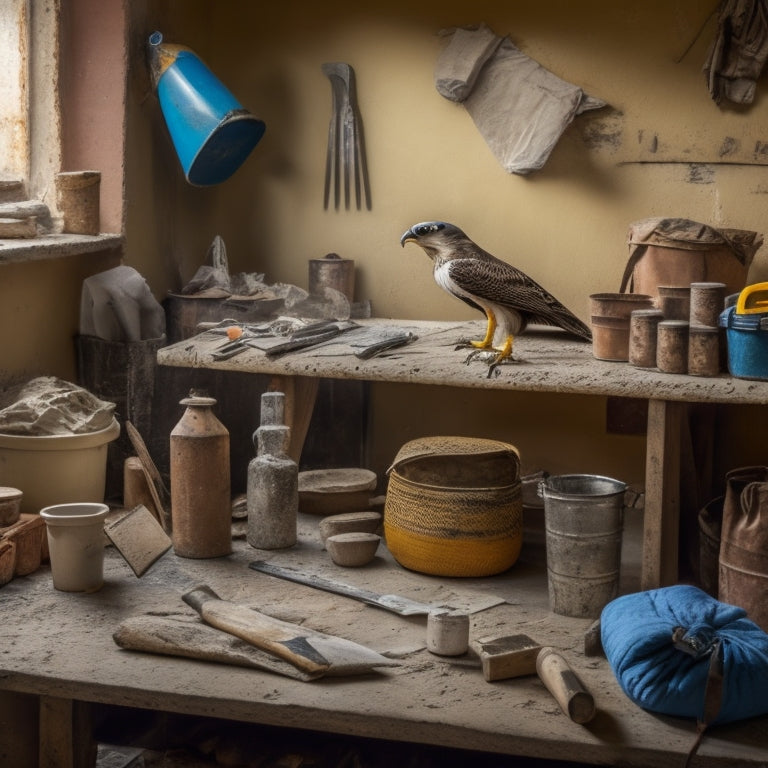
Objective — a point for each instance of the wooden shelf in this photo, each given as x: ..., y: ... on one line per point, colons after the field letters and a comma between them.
x: 56, y: 247
x: 546, y: 360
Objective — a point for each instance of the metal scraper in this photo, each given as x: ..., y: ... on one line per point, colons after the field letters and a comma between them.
x: 403, y: 606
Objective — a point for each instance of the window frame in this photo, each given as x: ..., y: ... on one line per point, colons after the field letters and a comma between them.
x: 31, y: 125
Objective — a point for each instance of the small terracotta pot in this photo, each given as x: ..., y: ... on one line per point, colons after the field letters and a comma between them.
x: 610, y: 314
x: 10, y: 505
x: 675, y: 301
x: 352, y: 549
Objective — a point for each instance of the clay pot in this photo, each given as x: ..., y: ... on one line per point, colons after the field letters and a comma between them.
x: 335, y: 491
x: 610, y: 314
x: 352, y: 549
x: 349, y: 522
x: 10, y: 505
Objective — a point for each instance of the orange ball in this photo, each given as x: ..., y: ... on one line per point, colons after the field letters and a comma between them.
x: 234, y: 332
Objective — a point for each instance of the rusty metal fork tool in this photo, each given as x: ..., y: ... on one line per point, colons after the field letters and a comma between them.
x: 345, y: 165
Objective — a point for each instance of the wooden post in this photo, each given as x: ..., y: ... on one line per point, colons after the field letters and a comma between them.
x: 300, y: 394
x: 18, y: 729
x: 66, y: 740
x: 662, y: 494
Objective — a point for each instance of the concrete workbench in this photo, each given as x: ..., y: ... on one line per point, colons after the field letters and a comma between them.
x: 58, y: 662
x: 545, y: 361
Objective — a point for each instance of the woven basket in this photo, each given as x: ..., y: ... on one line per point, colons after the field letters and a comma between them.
x: 454, y: 506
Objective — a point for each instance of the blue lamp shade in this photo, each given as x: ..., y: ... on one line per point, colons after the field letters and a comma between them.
x: 211, y: 132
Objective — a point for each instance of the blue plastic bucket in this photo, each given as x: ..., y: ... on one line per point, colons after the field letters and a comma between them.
x: 211, y: 131
x: 747, y: 337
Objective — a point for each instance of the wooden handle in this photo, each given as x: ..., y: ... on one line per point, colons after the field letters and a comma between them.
x: 265, y: 632
x: 563, y: 683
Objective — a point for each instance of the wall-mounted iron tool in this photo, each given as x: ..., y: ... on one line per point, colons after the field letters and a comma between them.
x: 345, y: 164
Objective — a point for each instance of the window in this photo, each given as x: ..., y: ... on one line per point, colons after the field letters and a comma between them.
x: 31, y: 126
x: 30, y: 146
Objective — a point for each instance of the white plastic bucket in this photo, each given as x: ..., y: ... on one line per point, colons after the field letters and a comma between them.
x: 76, y: 545
x: 56, y: 469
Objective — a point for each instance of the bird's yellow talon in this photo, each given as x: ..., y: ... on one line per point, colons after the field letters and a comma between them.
x: 506, y: 350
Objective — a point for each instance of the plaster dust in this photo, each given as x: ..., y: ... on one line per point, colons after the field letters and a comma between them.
x: 61, y: 644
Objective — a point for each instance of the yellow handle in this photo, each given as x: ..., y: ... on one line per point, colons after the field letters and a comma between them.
x: 753, y: 299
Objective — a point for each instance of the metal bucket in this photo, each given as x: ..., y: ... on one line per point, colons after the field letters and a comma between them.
x: 583, y: 519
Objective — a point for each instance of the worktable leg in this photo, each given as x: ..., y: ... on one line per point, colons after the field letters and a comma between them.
x: 662, y: 494
x: 66, y: 738
x: 19, y: 729
x: 300, y: 394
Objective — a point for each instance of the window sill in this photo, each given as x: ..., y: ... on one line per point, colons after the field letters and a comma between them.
x: 55, y: 246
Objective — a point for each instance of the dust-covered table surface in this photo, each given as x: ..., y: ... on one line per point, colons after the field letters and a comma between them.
x: 61, y: 645
x: 544, y: 360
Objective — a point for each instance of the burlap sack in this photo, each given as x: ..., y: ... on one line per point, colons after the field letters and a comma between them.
x: 678, y: 252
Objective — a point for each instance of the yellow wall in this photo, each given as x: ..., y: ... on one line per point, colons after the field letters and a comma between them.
x: 565, y: 225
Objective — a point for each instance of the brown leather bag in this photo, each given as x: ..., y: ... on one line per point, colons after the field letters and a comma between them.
x: 744, y: 543
x: 678, y: 252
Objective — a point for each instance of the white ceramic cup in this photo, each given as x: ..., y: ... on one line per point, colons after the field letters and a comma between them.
x: 76, y: 544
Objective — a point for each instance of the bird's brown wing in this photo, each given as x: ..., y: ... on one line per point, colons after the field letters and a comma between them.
x: 494, y: 280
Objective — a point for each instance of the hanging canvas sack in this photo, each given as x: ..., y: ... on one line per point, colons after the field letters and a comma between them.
x: 744, y: 543
x: 678, y: 252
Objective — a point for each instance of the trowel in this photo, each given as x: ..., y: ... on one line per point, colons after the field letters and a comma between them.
x: 314, y: 653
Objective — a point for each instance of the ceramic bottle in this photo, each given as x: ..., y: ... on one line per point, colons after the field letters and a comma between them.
x: 201, y: 507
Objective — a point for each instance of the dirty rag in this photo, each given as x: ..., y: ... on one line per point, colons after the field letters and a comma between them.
x: 737, y: 55
x: 462, y: 59
x: 117, y: 305
x: 520, y: 108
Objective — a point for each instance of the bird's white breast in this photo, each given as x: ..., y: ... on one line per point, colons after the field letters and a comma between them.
x: 509, y: 321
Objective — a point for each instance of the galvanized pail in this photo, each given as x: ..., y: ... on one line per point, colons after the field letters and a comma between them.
x: 583, y: 519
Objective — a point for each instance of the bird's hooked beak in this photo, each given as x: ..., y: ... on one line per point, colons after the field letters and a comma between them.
x: 408, y: 237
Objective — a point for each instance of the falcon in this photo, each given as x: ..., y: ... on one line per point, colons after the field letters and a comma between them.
x: 509, y: 298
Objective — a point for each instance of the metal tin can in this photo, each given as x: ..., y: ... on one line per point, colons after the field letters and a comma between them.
x: 643, y: 325
x: 675, y: 301
x: 332, y: 272
x: 672, y: 346
x: 703, y: 350
x: 707, y: 302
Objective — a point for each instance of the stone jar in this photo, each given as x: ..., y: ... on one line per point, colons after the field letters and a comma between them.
x: 273, y: 481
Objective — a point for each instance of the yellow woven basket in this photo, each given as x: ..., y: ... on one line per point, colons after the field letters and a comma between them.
x: 454, y: 506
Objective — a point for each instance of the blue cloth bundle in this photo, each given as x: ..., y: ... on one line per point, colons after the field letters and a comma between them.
x: 670, y: 677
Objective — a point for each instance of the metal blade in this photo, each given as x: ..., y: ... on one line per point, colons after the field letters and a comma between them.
x: 361, y: 165
x: 403, y: 606
x: 332, y: 171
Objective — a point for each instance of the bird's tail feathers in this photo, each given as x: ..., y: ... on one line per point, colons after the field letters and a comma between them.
x: 568, y: 322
